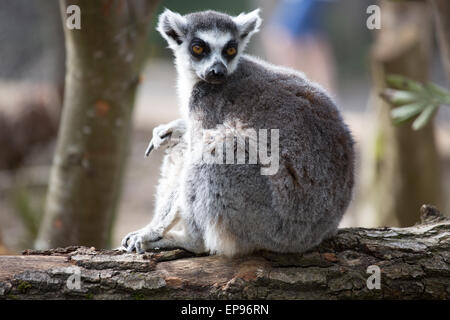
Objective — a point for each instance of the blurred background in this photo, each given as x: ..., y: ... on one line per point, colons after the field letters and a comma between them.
x: 398, y: 168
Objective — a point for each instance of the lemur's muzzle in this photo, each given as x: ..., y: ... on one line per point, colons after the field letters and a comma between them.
x: 217, y: 73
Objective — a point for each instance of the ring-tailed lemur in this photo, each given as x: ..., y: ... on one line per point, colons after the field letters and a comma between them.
x: 233, y: 208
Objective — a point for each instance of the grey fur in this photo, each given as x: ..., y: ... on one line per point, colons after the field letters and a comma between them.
x: 233, y: 209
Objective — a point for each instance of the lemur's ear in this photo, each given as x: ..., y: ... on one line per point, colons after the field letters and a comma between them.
x: 173, y: 27
x: 248, y: 23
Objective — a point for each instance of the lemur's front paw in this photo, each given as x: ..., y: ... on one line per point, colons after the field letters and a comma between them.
x: 162, y: 134
x: 138, y: 240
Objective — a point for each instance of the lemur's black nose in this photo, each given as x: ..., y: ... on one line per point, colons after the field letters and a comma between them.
x: 216, y: 73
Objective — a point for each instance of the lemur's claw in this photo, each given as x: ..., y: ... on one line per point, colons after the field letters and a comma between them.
x: 149, y: 149
x: 151, y: 144
x: 125, y: 240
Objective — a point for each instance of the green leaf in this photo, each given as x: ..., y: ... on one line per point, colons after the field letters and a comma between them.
x: 406, y: 112
x: 424, y: 117
x: 412, y: 97
x: 403, y: 83
x: 436, y: 91
x: 399, y: 97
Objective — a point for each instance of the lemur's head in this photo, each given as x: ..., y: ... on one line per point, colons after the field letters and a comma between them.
x: 208, y: 44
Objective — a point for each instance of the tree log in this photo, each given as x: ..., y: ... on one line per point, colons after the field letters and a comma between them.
x: 414, y: 264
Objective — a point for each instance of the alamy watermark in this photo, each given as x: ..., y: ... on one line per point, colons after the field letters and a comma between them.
x: 242, y: 146
x: 74, y: 280
x: 73, y: 20
x: 374, y: 281
x: 374, y: 20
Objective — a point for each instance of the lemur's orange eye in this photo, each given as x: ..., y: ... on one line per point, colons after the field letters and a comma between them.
x: 231, y: 51
x: 197, y: 49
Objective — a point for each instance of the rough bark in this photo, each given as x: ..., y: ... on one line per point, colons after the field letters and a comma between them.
x: 414, y: 264
x: 103, y: 65
x: 402, y: 168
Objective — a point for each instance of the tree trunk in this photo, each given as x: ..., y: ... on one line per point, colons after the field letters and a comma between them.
x: 402, y: 168
x: 103, y: 64
x: 414, y: 263
x: 441, y: 10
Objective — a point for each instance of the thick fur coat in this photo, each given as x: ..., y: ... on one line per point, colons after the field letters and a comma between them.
x: 302, y: 203
x: 234, y: 208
